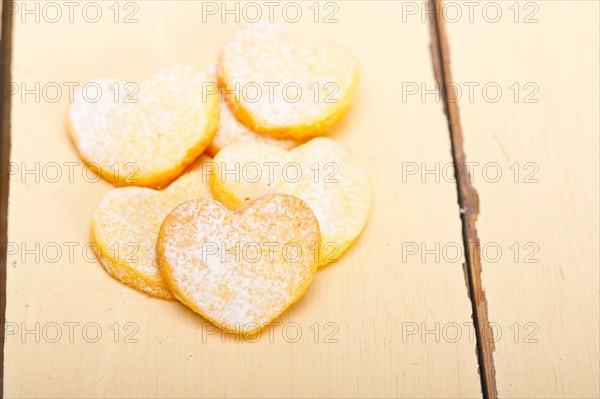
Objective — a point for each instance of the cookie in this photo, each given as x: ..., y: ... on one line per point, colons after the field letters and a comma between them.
x: 232, y: 131
x: 283, y: 88
x: 144, y: 134
x: 126, y: 224
x: 321, y: 172
x: 241, y: 269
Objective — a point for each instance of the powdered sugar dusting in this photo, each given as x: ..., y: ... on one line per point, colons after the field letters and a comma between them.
x: 244, y: 290
x: 263, y: 54
x: 232, y: 131
x: 126, y: 225
x: 159, y: 126
x: 332, y: 182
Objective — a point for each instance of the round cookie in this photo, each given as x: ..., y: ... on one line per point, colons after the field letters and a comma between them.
x: 233, y: 268
x: 232, y: 131
x: 321, y: 172
x: 277, y: 86
x: 126, y: 224
x: 146, y: 134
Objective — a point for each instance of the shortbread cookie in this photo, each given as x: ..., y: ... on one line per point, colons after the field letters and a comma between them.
x: 277, y: 86
x: 241, y: 269
x: 232, y: 131
x: 126, y: 224
x: 144, y: 134
x: 321, y: 172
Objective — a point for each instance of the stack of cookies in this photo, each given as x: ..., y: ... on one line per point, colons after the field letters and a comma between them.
x: 229, y: 202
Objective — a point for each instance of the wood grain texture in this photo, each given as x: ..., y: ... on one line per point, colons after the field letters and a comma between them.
x: 5, y: 57
x: 371, y: 295
x: 547, y: 291
x: 468, y: 200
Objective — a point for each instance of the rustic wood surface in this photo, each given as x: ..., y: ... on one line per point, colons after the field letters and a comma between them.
x: 392, y: 317
x: 542, y: 212
x: 388, y: 314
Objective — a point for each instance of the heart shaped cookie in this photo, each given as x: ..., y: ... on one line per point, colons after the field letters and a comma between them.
x: 321, y: 172
x: 241, y: 269
x: 277, y: 86
x: 126, y: 224
x: 144, y: 134
x: 232, y: 131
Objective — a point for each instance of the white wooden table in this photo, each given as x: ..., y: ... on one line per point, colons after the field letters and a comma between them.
x: 428, y: 295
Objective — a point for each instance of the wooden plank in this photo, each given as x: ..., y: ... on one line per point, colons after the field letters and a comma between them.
x: 5, y: 56
x: 542, y: 212
x: 468, y: 199
x: 373, y: 298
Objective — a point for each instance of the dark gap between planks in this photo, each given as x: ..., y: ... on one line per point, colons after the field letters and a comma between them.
x: 468, y: 201
x: 5, y: 61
